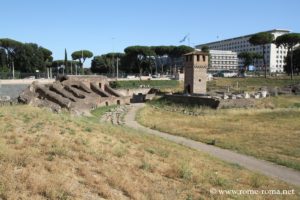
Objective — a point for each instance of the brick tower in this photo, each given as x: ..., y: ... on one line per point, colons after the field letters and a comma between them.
x: 195, y: 72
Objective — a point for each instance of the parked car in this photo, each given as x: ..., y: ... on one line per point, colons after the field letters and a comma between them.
x: 30, y: 77
x: 225, y: 73
x: 156, y: 76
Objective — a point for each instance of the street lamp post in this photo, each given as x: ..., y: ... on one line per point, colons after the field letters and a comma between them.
x: 117, y: 68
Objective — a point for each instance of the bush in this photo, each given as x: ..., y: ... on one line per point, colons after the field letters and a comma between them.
x: 115, y: 84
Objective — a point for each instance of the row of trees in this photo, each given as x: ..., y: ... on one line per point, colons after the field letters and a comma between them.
x: 24, y: 57
x: 293, y: 59
x: 288, y: 41
x: 30, y: 58
x: 140, y: 59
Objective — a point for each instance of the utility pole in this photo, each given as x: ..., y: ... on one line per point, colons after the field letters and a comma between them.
x: 71, y: 67
x: 82, y: 71
x: 117, y: 68
x: 113, y: 56
x: 13, y: 69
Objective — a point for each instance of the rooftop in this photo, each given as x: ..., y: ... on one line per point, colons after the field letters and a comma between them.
x: 196, y: 53
x: 234, y: 38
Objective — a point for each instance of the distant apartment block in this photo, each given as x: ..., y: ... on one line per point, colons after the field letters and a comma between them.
x: 223, y: 60
x: 274, y: 56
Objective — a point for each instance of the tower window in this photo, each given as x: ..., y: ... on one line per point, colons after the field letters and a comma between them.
x: 198, y: 58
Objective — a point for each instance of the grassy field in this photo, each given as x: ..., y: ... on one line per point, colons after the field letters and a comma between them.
x: 57, y: 156
x: 250, y: 83
x: 234, y: 84
x: 159, y: 84
x: 270, y: 134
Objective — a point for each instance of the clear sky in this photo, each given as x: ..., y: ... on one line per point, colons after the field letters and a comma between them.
x: 103, y: 26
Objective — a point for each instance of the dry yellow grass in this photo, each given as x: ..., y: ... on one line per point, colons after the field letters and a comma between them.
x: 270, y: 134
x: 50, y: 156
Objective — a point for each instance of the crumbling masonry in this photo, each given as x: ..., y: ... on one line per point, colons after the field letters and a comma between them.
x: 78, y: 94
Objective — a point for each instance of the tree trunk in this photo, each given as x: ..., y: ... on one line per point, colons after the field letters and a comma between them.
x: 140, y: 69
x: 71, y: 68
x: 264, y: 60
x: 13, y: 69
x: 292, y: 70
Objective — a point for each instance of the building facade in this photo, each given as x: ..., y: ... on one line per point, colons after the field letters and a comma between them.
x: 274, y: 56
x: 223, y: 60
x: 195, y: 72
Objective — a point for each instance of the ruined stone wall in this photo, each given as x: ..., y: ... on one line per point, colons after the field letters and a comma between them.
x: 131, y: 92
x: 211, y: 102
x: 78, y: 94
x: 87, y: 79
x: 194, y: 100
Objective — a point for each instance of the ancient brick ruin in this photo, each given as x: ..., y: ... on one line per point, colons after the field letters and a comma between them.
x: 78, y: 94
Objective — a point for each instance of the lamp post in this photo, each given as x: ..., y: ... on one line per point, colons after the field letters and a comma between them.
x: 117, y: 68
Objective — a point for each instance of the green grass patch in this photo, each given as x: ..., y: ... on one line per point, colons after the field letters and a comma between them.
x: 250, y: 84
x: 98, y: 112
x: 151, y: 83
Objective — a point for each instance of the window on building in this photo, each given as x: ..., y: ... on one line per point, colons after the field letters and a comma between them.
x: 198, y: 57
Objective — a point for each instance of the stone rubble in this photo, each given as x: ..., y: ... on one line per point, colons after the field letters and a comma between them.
x: 116, y: 115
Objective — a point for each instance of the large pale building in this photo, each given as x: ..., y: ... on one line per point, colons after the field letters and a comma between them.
x: 223, y: 60
x: 274, y: 56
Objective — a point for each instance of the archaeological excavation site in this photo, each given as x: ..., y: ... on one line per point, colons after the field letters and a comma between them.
x: 77, y: 94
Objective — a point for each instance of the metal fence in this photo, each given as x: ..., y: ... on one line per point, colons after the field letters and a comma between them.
x: 39, y: 75
x: 18, y: 75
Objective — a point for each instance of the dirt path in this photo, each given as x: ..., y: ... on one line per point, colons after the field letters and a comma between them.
x: 264, y: 167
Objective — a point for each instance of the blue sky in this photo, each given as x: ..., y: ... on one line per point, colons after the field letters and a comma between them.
x: 106, y: 26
